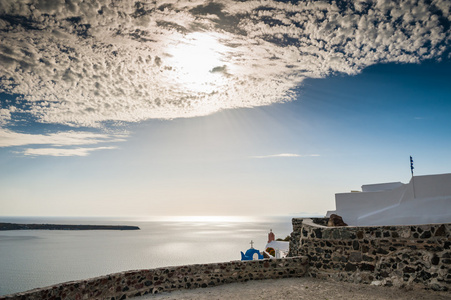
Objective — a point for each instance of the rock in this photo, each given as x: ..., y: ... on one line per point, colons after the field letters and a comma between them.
x: 376, y: 283
x: 336, y: 220
x: 350, y: 267
x: 441, y: 231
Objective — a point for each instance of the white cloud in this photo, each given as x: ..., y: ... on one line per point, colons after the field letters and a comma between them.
x: 82, y: 64
x: 59, y: 142
x: 286, y: 155
x: 5, y: 115
x: 10, y: 138
x: 62, y: 151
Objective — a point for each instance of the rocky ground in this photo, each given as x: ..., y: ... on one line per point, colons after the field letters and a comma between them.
x: 301, y: 288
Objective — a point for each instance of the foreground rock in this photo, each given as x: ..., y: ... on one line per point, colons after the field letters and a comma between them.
x: 336, y: 220
x: 13, y: 226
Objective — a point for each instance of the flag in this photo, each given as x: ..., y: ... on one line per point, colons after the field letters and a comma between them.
x: 411, y: 165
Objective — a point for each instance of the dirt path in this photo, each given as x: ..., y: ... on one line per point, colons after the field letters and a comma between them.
x: 301, y: 288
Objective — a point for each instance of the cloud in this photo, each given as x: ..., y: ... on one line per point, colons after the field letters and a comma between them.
x: 62, y: 143
x: 5, y: 115
x: 62, y: 152
x: 285, y: 155
x: 10, y: 138
x: 84, y: 64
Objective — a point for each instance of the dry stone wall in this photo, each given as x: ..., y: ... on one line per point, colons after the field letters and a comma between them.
x: 136, y: 283
x: 418, y: 255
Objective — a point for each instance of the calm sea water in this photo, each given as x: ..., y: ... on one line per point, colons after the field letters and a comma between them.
x: 38, y: 258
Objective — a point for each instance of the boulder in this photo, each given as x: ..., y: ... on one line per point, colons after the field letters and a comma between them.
x: 336, y: 220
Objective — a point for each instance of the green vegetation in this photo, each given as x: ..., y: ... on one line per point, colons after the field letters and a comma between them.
x: 287, y: 239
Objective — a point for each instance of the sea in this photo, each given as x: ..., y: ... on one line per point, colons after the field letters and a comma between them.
x: 38, y: 258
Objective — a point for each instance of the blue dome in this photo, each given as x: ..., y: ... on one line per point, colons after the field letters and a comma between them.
x: 250, y: 254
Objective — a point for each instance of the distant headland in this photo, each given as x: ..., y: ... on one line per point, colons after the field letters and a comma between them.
x: 13, y: 226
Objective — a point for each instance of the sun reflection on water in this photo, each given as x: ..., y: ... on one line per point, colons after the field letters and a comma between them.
x: 204, y: 219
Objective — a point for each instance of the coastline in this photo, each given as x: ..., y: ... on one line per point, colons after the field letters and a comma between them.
x: 15, y: 226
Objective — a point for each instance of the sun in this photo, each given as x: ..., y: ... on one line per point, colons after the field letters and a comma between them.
x: 199, y: 63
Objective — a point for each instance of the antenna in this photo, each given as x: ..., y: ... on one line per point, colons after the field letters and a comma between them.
x: 413, y: 179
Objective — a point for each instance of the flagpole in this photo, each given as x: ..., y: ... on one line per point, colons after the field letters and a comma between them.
x: 413, y: 179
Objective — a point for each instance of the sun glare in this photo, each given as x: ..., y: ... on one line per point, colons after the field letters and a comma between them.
x: 198, y: 62
x: 203, y: 219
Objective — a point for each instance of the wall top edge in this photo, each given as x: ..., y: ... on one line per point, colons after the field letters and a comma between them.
x: 312, y: 222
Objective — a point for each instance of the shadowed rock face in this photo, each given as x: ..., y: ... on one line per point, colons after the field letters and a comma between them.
x: 13, y: 226
x: 336, y: 220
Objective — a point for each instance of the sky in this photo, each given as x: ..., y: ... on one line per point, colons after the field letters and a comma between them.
x: 204, y: 108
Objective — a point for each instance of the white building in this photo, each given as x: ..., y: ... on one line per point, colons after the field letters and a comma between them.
x: 281, y: 248
x: 424, y: 200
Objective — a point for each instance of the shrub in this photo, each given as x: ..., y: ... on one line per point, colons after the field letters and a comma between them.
x: 287, y: 239
x: 271, y: 251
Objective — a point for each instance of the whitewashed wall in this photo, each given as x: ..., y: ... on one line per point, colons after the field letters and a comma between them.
x: 424, y: 200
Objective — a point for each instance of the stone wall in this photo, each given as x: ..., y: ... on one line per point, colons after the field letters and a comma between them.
x: 417, y: 255
x: 136, y: 283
